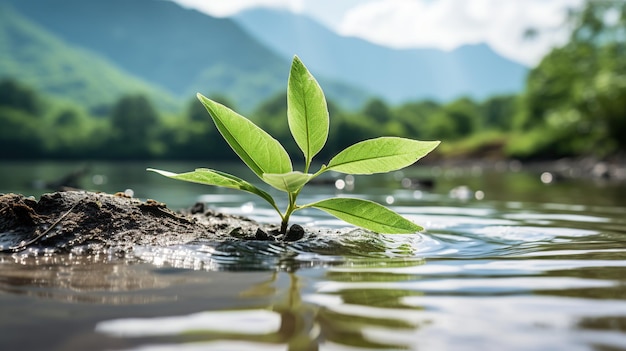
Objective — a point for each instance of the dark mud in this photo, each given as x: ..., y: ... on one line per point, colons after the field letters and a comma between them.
x: 87, y: 222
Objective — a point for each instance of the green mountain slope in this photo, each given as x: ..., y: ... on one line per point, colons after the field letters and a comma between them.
x: 33, y: 56
x: 154, y: 39
x: 163, y: 43
x: 182, y: 50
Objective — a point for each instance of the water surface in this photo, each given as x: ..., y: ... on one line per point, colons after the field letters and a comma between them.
x: 506, y: 263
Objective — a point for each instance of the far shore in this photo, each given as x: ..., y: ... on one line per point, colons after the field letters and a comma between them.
x: 610, y: 169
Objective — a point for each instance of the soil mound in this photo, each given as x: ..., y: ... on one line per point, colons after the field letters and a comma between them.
x: 87, y: 222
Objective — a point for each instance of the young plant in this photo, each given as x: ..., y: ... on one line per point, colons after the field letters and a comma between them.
x: 307, y: 116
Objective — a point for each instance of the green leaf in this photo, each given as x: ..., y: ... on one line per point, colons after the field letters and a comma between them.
x: 367, y: 214
x: 212, y: 177
x: 380, y: 155
x: 259, y: 150
x: 307, y: 112
x: 289, y: 182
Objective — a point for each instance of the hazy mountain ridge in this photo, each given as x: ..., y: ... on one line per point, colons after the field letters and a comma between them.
x: 32, y: 55
x: 174, y: 52
x: 156, y: 40
x: 179, y: 49
x: 397, y: 75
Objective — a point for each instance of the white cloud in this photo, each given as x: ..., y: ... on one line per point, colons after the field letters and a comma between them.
x: 444, y: 24
x: 225, y: 8
x: 447, y: 24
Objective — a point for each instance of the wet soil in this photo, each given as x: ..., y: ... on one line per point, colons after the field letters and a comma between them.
x: 88, y: 222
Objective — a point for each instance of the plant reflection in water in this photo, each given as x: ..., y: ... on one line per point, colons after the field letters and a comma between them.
x: 292, y: 319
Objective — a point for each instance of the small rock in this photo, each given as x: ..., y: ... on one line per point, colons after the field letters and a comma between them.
x: 261, y: 235
x: 295, y: 233
x: 600, y: 171
x: 237, y: 233
x: 197, y: 208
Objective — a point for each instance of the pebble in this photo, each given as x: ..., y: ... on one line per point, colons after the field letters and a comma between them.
x: 295, y: 233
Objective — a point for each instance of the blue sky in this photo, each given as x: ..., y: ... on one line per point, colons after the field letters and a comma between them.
x: 444, y: 24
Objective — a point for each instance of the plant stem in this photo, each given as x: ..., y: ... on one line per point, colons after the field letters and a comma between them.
x: 292, y: 200
x: 283, y: 226
x: 292, y: 207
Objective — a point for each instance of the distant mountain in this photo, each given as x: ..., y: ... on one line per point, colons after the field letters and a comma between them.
x: 181, y: 50
x: 397, y: 75
x: 37, y: 58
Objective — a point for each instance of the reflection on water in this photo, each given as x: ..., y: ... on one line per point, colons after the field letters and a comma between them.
x: 91, y: 279
x: 300, y: 324
x: 524, y: 266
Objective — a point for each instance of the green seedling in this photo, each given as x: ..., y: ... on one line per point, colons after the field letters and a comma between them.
x: 307, y: 116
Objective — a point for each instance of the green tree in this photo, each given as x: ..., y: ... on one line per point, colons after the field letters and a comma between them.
x: 20, y: 97
x: 350, y: 128
x: 270, y: 115
x: 377, y: 110
x: 552, y: 85
x: 577, y: 94
x: 20, y: 135
x: 383, y: 118
x: 134, y: 126
x: 499, y: 111
x: 71, y: 134
x: 415, y: 116
x: 193, y: 135
x: 20, y: 122
x: 455, y: 120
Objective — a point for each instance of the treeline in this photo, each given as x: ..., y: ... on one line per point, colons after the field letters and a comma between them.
x: 133, y: 129
x: 574, y: 103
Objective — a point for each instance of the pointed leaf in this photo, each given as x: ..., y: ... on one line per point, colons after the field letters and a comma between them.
x: 380, y: 155
x: 367, y: 214
x: 307, y: 112
x: 259, y: 150
x: 289, y: 182
x: 212, y: 177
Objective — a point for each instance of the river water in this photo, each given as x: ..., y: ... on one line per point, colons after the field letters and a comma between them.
x: 509, y: 260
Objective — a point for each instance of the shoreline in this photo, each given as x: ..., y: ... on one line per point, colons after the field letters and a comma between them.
x: 610, y: 169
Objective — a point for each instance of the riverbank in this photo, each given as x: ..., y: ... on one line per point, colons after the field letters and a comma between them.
x: 611, y: 169
x: 87, y: 222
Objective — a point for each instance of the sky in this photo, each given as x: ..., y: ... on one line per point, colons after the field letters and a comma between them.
x: 443, y: 24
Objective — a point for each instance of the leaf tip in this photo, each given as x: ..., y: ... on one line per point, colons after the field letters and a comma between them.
x: 408, y: 228
x: 435, y: 144
x: 161, y: 172
x: 418, y: 228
